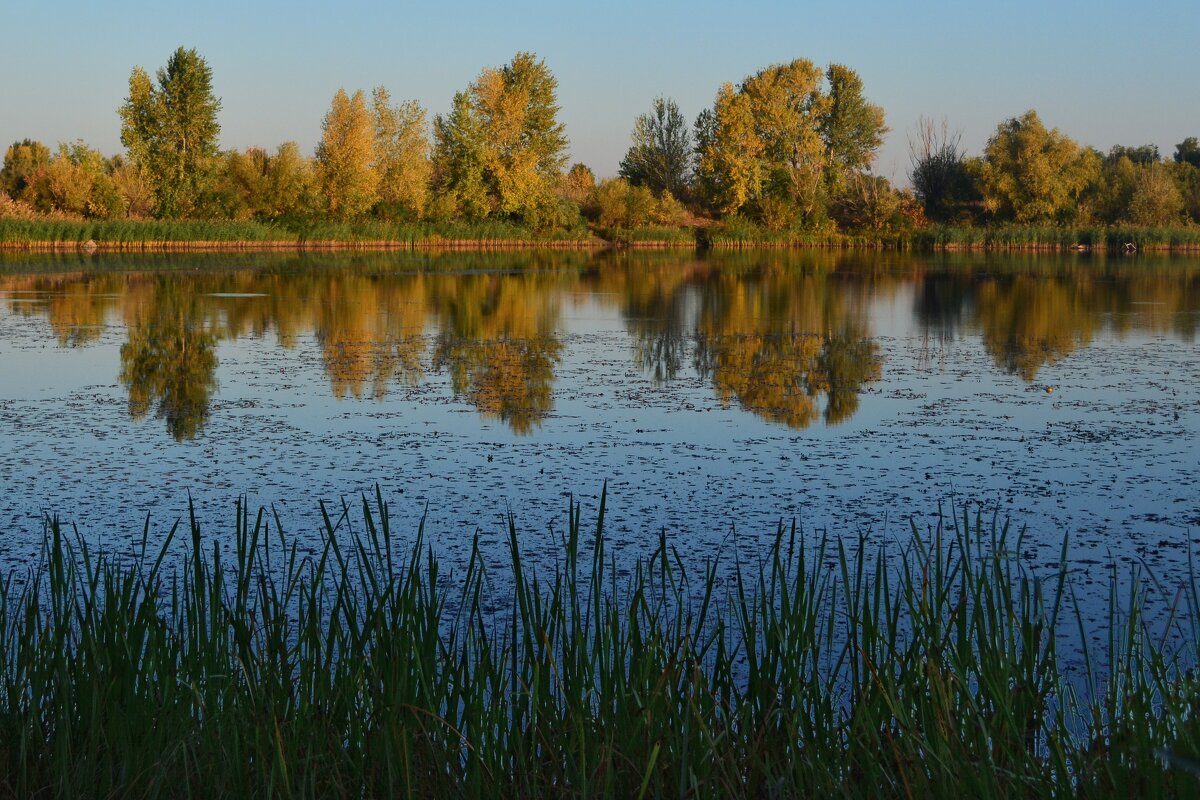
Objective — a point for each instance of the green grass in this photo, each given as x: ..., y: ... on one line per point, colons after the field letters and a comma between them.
x: 730, y: 233
x: 735, y: 232
x: 652, y: 234
x: 431, y: 233
x: 357, y: 668
x: 15, y: 232
x: 1058, y: 238
x: 24, y: 232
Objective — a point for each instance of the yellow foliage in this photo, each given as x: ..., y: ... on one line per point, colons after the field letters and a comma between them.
x: 346, y: 155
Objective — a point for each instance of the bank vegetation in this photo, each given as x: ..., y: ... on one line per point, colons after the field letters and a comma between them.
x: 781, y: 158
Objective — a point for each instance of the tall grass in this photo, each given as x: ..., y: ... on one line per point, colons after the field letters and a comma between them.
x: 651, y: 235
x: 432, y: 233
x: 135, y: 232
x: 360, y: 669
x: 21, y: 232
x: 736, y: 232
x: 1032, y: 237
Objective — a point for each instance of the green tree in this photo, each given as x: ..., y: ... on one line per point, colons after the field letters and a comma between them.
x: 1143, y: 154
x: 1187, y: 178
x: 705, y: 181
x: 778, y: 145
x: 136, y: 193
x: 1031, y: 174
x: 238, y: 184
x: 576, y: 184
x: 1156, y: 199
x: 290, y: 188
x: 170, y: 130
x: 458, y: 159
x: 1188, y: 151
x: 852, y: 128
x: 1108, y: 201
x: 938, y: 174
x: 401, y: 154
x: 346, y: 156
x: 731, y: 160
x: 661, y: 153
x: 21, y: 161
x: 789, y: 107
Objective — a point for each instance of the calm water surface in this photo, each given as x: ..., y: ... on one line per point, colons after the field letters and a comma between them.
x: 852, y: 392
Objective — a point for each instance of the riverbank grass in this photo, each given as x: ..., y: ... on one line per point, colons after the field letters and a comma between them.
x: 734, y: 233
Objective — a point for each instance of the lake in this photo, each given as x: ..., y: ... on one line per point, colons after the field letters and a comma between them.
x: 718, y: 395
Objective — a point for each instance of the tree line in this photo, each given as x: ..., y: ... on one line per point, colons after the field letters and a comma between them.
x: 789, y: 148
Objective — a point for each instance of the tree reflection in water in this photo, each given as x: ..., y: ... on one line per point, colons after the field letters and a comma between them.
x: 783, y: 335
x: 169, y: 361
x: 506, y: 379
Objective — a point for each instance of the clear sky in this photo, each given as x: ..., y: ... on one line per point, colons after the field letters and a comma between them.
x: 1103, y: 72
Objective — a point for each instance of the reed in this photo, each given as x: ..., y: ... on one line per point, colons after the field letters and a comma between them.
x: 358, y: 668
x: 20, y: 232
x: 1111, y: 238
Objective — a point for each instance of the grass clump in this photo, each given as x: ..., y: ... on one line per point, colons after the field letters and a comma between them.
x: 359, y: 669
x: 1058, y: 238
x: 134, y: 232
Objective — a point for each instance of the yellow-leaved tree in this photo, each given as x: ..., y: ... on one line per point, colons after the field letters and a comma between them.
x: 501, y: 148
x: 1031, y: 174
x: 346, y: 156
x: 777, y: 145
x: 401, y: 155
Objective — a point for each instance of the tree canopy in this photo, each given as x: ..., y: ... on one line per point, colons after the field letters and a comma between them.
x: 501, y: 148
x: 780, y: 143
x: 345, y: 156
x: 22, y: 160
x: 938, y: 173
x: 1031, y: 174
x: 401, y: 154
x: 788, y: 151
x: 170, y: 129
x: 1188, y: 151
x: 661, y: 153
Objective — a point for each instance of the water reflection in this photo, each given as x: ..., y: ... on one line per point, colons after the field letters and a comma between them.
x: 789, y: 337
x: 776, y: 340
x: 168, y: 362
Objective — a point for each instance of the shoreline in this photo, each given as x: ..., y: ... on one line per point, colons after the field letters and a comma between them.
x: 334, y: 245
x: 595, y: 244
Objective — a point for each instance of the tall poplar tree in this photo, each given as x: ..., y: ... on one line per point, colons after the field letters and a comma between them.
x: 170, y: 129
x: 853, y: 129
x: 458, y: 160
x: 401, y: 154
x: 346, y: 156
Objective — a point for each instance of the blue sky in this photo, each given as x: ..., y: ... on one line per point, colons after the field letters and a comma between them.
x: 1104, y: 73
